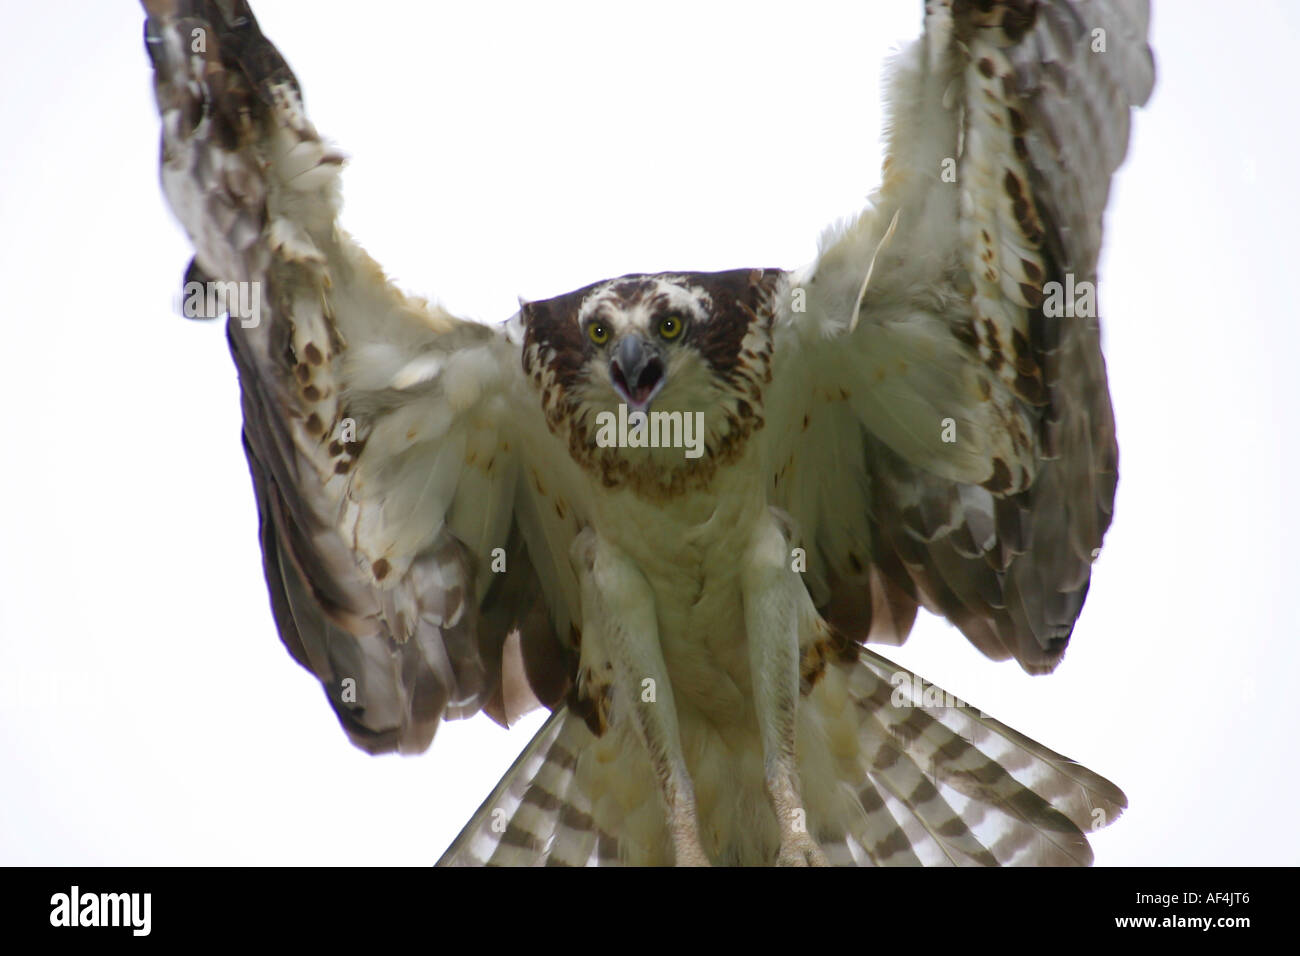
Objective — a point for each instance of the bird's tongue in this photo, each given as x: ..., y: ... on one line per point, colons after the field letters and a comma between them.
x: 639, y: 392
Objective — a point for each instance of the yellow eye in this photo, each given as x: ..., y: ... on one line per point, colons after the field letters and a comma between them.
x: 598, y: 333
x: 670, y: 327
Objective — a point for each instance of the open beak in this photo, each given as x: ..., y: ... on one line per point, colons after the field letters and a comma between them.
x: 637, y: 372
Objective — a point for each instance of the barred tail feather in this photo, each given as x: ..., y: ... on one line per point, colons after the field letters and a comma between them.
x: 538, y: 815
x: 917, y: 779
x: 946, y: 784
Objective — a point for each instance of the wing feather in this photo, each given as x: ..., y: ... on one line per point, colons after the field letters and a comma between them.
x: 981, y: 426
x: 381, y: 431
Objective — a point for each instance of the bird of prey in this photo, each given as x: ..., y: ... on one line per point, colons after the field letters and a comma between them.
x: 674, y: 508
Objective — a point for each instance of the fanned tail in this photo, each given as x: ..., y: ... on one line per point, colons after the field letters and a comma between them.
x: 941, y: 783
x: 903, y: 774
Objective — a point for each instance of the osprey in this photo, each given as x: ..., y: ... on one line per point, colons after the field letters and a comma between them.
x: 673, y: 508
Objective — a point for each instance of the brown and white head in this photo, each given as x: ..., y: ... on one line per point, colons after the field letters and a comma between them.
x: 694, y: 343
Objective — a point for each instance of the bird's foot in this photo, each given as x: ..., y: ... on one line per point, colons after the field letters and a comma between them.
x: 799, y: 849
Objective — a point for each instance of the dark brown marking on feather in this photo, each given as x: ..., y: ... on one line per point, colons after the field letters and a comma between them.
x: 955, y: 827
x: 991, y: 334
x: 1032, y: 293
x: 986, y: 67
x: 912, y: 726
x: 303, y: 373
x: 562, y: 347
x: 812, y: 667
x: 517, y: 836
x: 592, y: 710
x: 965, y: 332
x: 380, y: 569
x: 633, y: 289
x: 541, y: 798
x: 573, y: 818
x: 1031, y: 389
x: 313, y: 425
x: 897, y: 842
x: 923, y: 792
x: 342, y: 466
x: 741, y: 298
x: 1021, y: 354
x: 871, y: 800
x: 311, y: 393
x: 1001, y: 479
x: 562, y: 757
x: 835, y: 647
x: 335, y: 448
x: 313, y: 354
x: 1017, y: 22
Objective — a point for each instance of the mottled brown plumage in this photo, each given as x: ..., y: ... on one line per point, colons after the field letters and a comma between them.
x: 919, y: 418
x: 733, y: 337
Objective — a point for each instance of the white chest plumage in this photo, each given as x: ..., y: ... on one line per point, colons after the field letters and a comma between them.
x: 690, y: 550
x: 694, y: 555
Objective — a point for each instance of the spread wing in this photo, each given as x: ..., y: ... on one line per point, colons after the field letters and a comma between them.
x: 939, y: 423
x: 415, y: 558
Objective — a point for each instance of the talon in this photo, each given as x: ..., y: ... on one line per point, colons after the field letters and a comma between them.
x: 799, y: 849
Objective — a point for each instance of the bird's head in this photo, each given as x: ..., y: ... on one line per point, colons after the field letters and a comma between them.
x: 666, y: 345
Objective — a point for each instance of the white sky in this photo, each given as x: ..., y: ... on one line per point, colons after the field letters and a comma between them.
x: 149, y: 713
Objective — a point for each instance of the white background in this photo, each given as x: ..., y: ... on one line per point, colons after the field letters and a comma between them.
x: 148, y: 712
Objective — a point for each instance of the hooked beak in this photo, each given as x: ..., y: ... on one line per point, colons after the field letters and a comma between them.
x: 637, y: 372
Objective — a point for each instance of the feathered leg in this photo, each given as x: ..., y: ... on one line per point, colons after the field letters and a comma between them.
x: 777, y: 606
x: 618, y: 616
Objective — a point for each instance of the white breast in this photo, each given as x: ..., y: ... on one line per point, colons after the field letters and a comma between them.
x: 690, y: 551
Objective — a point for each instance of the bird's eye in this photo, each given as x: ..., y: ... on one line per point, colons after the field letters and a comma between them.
x: 670, y: 327
x: 598, y: 333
